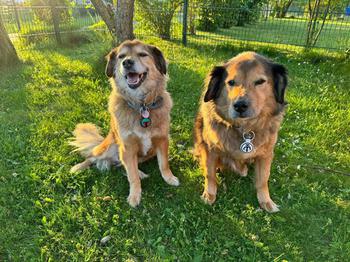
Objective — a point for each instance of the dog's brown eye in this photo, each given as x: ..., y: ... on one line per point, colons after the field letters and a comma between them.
x: 259, y: 82
x: 143, y: 54
x: 231, y: 82
x: 121, y: 56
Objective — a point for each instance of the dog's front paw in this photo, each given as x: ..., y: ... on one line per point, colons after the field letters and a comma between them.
x: 267, y: 204
x: 172, y: 180
x: 208, y: 198
x: 134, y: 199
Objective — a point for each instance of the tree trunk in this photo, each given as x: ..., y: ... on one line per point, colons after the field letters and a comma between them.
x: 120, y: 21
x: 106, y: 14
x: 314, y: 27
x: 285, y: 8
x: 322, y: 25
x: 281, y: 8
x: 8, y: 54
x: 124, y: 20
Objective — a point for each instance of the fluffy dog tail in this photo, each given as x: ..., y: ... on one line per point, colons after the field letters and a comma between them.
x: 103, y: 152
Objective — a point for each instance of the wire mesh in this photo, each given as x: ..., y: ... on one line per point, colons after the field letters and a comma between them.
x: 207, y: 25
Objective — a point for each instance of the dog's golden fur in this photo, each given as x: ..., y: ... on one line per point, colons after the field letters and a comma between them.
x: 219, y: 128
x: 127, y: 140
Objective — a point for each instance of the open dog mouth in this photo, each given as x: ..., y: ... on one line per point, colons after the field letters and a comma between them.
x: 134, y: 79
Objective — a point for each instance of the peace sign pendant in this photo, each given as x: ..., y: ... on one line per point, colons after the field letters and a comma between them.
x: 247, y: 146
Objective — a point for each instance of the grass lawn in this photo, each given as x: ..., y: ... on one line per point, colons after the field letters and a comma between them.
x: 47, y: 213
x: 335, y: 35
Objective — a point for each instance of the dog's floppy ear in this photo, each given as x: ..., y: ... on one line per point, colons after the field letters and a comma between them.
x: 215, y: 82
x: 111, y: 62
x: 158, y: 59
x: 280, y: 80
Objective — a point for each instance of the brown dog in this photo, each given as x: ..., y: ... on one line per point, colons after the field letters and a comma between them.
x: 139, y: 106
x: 238, y: 121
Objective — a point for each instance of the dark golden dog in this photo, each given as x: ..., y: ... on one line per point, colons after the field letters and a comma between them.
x: 238, y: 121
x: 139, y: 106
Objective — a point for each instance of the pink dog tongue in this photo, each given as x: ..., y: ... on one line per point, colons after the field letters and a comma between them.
x: 133, y: 78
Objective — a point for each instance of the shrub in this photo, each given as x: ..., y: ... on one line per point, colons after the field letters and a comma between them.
x: 215, y: 14
x: 207, y: 20
x: 157, y: 15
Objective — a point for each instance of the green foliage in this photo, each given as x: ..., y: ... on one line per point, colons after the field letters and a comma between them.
x: 207, y: 18
x: 48, y: 214
x: 158, y: 16
x: 338, y: 6
x: 215, y: 14
x: 248, y: 12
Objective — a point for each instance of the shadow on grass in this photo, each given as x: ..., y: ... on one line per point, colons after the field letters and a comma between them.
x: 314, y: 55
x: 20, y: 224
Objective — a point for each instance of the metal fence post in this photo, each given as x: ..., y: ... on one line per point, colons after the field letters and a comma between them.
x: 184, y: 23
x: 16, y: 15
x: 56, y: 21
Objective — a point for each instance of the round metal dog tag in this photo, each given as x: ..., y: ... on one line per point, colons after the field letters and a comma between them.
x: 246, y: 147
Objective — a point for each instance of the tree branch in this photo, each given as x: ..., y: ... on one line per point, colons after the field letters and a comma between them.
x: 323, y: 22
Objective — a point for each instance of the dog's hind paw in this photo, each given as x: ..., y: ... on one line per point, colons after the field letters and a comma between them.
x: 75, y: 169
x: 244, y: 171
x: 142, y: 175
x: 240, y: 169
x: 81, y: 166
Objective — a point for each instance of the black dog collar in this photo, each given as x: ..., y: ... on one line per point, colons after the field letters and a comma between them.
x: 144, y: 109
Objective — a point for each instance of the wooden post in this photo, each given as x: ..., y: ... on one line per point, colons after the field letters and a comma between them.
x: 16, y: 15
x: 184, y: 23
x: 56, y: 21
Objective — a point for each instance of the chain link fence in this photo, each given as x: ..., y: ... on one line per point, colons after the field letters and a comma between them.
x: 187, y: 22
x: 262, y: 26
x: 35, y: 25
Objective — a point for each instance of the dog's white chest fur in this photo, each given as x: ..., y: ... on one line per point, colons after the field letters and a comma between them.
x: 145, y: 140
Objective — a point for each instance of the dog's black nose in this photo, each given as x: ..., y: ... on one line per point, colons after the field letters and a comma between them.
x: 241, y: 106
x: 128, y: 63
